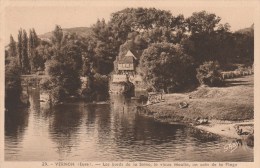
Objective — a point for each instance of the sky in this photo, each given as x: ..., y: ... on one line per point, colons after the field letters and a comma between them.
x: 44, y: 17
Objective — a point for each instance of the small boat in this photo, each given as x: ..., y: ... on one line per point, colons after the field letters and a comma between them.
x: 201, y: 121
x: 183, y: 104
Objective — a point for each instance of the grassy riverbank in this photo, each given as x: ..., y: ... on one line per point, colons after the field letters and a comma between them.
x: 233, y: 103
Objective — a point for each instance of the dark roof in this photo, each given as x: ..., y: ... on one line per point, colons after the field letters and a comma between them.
x: 126, y: 60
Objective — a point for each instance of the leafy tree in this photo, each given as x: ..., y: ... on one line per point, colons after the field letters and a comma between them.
x: 166, y: 66
x: 20, y: 47
x: 136, y: 19
x: 202, y: 22
x: 44, y: 51
x: 130, y: 22
x: 88, y: 56
x: 57, y: 36
x: 209, y: 40
x: 12, y: 51
x: 34, y: 58
x: 106, y: 49
x: 64, y: 67
x: 12, y: 83
x: 25, y: 60
x: 208, y: 73
x: 244, y: 46
x: 136, y: 43
x: 6, y: 57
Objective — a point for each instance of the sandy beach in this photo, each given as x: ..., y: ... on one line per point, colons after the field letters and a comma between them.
x: 226, y: 128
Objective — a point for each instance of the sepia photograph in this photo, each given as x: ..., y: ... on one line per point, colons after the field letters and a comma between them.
x: 129, y: 82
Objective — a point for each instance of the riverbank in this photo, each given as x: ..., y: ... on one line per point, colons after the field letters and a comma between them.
x: 224, y: 107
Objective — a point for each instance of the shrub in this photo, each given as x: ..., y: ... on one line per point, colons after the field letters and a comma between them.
x: 208, y: 74
x: 250, y: 140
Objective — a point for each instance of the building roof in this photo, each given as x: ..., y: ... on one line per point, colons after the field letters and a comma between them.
x: 128, y: 58
x: 130, y: 54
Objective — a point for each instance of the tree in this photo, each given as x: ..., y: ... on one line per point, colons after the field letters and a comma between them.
x: 20, y: 48
x: 64, y: 67
x: 25, y: 60
x: 125, y: 23
x: 57, y: 37
x: 32, y: 45
x: 209, y: 40
x: 106, y: 48
x: 244, y: 46
x: 88, y: 56
x: 202, y: 22
x: 13, y: 87
x: 208, y: 73
x: 137, y: 19
x: 12, y: 47
x: 43, y: 52
x: 166, y: 66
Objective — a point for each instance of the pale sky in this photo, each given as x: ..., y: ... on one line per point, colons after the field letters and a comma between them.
x: 44, y: 19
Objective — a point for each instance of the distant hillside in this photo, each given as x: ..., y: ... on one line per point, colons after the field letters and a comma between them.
x: 81, y: 31
x: 248, y: 30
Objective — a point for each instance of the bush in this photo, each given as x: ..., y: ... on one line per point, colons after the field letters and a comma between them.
x: 208, y: 74
x: 250, y: 140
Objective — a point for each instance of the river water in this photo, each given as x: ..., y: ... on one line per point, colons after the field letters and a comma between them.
x: 79, y: 131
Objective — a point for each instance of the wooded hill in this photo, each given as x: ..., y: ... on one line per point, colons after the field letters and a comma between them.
x: 80, y: 31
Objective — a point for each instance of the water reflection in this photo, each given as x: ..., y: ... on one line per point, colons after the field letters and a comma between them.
x: 111, y: 131
x: 16, y: 122
x: 64, y: 127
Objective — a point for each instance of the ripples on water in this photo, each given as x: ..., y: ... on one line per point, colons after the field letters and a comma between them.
x: 104, y: 132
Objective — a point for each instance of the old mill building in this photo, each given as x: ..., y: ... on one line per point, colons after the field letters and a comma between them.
x: 125, y: 71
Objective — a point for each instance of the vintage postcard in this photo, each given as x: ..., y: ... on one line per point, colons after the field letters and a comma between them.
x: 127, y: 83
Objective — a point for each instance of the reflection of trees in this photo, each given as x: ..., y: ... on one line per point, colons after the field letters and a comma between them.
x: 65, y: 125
x: 147, y: 131
x: 157, y: 132
x: 134, y: 134
x: 130, y: 127
x: 103, y: 114
x: 16, y: 121
x: 34, y: 98
x: 123, y: 116
x: 143, y: 138
x: 98, y: 118
x: 41, y: 110
x: 91, y: 116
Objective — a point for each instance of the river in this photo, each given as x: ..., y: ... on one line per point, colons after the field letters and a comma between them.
x: 80, y: 131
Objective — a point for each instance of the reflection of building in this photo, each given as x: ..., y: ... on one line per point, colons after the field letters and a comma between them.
x: 125, y: 71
